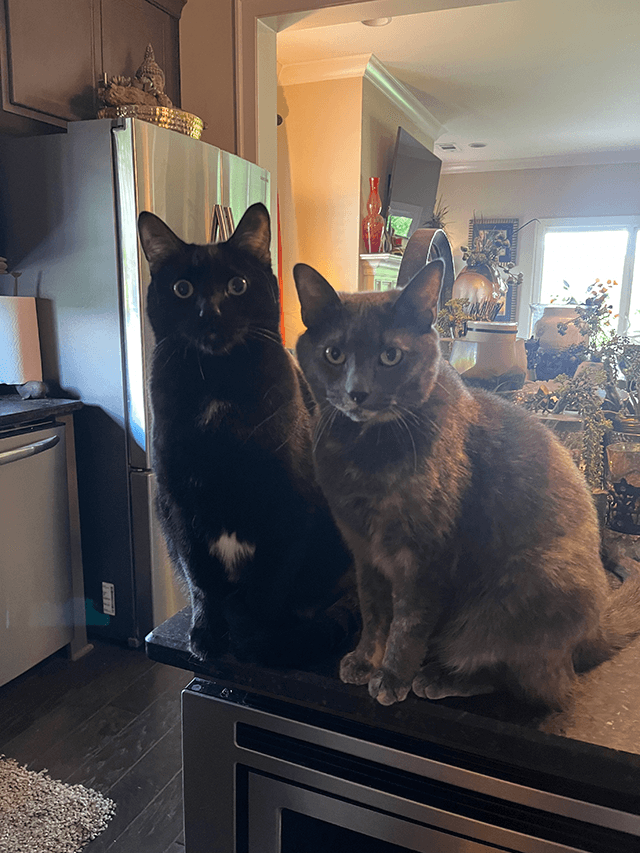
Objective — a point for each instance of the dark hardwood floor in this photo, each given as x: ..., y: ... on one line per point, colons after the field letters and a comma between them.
x: 110, y: 721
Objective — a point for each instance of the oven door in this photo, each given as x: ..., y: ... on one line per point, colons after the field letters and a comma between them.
x: 286, y: 818
x: 259, y: 782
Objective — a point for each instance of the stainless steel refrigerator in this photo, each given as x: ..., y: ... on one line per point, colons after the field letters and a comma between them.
x: 69, y: 206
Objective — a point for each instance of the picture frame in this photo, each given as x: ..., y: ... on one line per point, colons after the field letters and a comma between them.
x: 506, y: 227
x: 509, y: 314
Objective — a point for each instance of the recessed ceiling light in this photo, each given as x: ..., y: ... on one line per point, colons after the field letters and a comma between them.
x: 477, y: 145
x: 377, y: 22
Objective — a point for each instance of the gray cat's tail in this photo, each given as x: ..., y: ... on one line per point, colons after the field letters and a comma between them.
x: 620, y: 620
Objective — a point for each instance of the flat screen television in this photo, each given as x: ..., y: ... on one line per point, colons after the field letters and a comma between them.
x: 412, y: 185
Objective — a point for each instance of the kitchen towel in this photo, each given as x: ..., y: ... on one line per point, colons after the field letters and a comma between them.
x: 20, y: 360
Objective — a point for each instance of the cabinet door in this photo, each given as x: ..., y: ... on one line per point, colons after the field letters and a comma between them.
x: 128, y: 26
x: 49, y: 58
x: 54, y: 52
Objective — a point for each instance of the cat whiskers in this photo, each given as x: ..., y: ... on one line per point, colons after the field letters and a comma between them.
x: 173, y: 351
x: 328, y: 414
x: 261, y: 333
x: 419, y: 419
x: 446, y: 390
x: 401, y: 421
x: 200, y: 365
x: 264, y: 421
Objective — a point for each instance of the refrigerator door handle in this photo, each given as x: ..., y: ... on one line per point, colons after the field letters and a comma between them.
x: 28, y: 450
x: 222, y: 225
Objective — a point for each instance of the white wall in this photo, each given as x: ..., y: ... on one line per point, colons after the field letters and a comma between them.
x: 561, y: 191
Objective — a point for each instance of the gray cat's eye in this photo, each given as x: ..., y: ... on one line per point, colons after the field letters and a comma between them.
x: 391, y: 356
x: 236, y: 286
x: 183, y: 288
x: 334, y: 355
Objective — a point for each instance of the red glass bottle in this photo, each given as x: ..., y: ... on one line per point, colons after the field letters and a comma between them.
x: 373, y: 223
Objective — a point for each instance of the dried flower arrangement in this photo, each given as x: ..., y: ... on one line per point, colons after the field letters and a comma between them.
x: 484, y: 257
x: 593, y: 319
x: 484, y: 265
x: 452, y: 318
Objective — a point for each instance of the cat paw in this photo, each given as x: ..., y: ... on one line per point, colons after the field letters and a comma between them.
x: 426, y: 689
x: 425, y: 684
x: 432, y: 683
x: 203, y: 643
x: 388, y: 688
x: 355, y: 669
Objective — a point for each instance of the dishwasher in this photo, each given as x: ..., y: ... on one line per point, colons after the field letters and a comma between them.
x: 36, y: 600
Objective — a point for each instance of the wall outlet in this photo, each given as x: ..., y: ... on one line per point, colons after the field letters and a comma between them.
x: 108, y: 599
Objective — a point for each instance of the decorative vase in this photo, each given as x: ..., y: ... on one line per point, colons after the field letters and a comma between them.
x: 373, y: 223
x: 546, y: 328
x: 487, y: 356
x: 476, y: 285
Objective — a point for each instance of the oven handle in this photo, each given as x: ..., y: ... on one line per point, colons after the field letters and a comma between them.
x: 28, y: 450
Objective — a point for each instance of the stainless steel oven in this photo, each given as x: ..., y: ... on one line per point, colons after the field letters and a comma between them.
x: 258, y: 781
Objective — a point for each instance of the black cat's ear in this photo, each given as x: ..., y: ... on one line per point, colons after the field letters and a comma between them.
x: 317, y: 297
x: 253, y: 233
x: 417, y: 304
x: 158, y: 240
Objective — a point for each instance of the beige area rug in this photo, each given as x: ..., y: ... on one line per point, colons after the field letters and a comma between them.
x: 40, y: 815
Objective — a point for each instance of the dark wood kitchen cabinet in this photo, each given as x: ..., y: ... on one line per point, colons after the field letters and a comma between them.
x: 53, y: 53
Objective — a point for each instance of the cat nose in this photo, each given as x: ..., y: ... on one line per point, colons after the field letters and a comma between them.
x: 358, y: 396
x: 212, y: 309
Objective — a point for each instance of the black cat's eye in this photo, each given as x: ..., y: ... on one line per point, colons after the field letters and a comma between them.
x: 334, y: 355
x: 391, y: 356
x: 236, y: 286
x: 183, y: 288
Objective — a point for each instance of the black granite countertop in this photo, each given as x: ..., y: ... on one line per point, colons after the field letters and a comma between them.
x: 591, y: 751
x: 14, y: 410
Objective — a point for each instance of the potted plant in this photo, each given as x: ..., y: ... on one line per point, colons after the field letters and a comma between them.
x: 593, y: 321
x: 579, y: 394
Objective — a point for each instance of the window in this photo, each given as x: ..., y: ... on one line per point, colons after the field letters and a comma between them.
x: 573, y: 253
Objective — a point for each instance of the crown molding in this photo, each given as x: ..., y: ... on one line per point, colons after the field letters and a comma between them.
x: 592, y: 158
x: 324, y: 69
x: 367, y: 67
x: 403, y: 98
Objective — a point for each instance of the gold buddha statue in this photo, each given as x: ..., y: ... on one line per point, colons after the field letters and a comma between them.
x: 146, y: 88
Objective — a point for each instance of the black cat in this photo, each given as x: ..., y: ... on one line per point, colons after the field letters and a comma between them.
x: 246, y: 525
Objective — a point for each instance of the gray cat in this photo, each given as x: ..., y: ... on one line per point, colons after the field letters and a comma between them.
x: 475, y: 538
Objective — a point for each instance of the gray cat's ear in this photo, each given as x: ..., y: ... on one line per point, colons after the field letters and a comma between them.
x: 253, y: 233
x: 159, y: 243
x: 417, y: 304
x: 317, y: 297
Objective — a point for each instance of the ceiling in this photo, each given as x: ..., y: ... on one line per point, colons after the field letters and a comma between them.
x: 540, y: 82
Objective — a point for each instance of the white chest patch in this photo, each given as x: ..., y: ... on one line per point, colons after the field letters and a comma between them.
x: 231, y: 553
